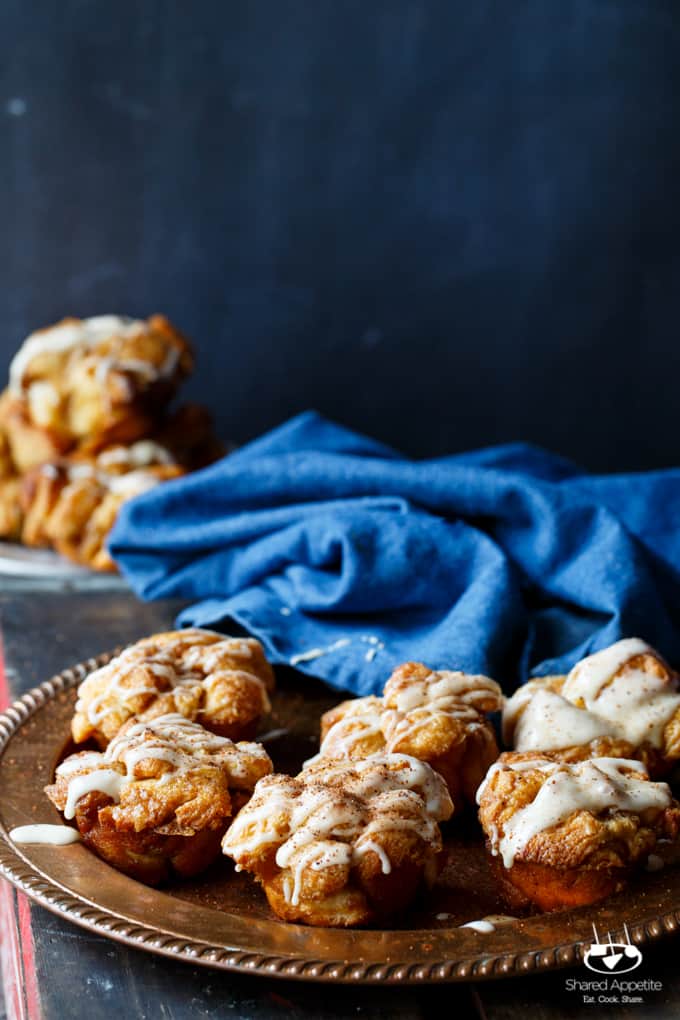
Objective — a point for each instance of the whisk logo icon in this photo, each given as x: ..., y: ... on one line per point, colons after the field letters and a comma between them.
x: 612, y: 957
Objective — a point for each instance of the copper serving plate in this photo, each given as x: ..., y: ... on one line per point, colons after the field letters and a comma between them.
x: 222, y: 919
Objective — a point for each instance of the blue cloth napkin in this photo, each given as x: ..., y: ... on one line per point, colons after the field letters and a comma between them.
x: 344, y: 558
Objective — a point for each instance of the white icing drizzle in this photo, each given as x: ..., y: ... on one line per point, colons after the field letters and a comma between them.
x: 76, y: 472
x: 367, y: 845
x: 638, y: 705
x: 171, y: 738
x: 599, y: 698
x: 408, y: 706
x: 595, y: 785
x: 405, y: 728
x: 339, y: 814
x: 106, y: 781
x: 67, y: 336
x: 483, y: 926
x: 51, y: 835
x: 209, y: 656
x: 441, y: 691
x: 178, y: 661
x: 412, y: 703
x: 132, y: 483
x: 373, y: 776
x: 316, y: 653
x: 270, y: 735
x: 362, y: 719
x: 141, y: 454
x: 77, y: 762
x: 377, y: 646
x: 486, y: 925
x: 549, y: 722
x: 135, y: 366
x: 43, y: 400
x: 590, y: 675
x: 316, y: 856
x: 180, y: 742
x: 118, y: 670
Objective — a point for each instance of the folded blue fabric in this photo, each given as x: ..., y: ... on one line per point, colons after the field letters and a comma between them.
x: 344, y: 558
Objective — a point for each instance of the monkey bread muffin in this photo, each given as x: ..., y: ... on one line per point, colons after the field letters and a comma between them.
x: 566, y: 834
x: 157, y: 801
x: 219, y: 681
x: 435, y: 716
x: 621, y: 702
x: 343, y: 843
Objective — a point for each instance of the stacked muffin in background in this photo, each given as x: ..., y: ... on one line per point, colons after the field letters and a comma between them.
x: 85, y: 424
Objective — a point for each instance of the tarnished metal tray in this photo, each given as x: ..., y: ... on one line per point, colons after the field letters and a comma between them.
x: 222, y: 919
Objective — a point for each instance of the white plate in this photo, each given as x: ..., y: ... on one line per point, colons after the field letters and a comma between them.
x: 22, y: 561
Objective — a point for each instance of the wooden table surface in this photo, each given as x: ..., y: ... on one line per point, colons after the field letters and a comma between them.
x: 54, y: 970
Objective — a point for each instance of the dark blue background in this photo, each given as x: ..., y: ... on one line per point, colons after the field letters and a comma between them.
x: 447, y: 223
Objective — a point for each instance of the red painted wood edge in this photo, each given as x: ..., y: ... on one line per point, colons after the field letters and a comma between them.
x: 10, y: 956
x: 17, y: 954
x: 5, y: 698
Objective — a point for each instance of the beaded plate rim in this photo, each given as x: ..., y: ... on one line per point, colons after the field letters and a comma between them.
x: 99, y: 919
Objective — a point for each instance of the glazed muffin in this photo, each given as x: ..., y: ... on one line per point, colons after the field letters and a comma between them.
x: 343, y: 843
x: 88, y: 403
x: 156, y: 803
x: 352, y: 729
x: 435, y: 716
x: 622, y: 702
x: 100, y: 379
x: 566, y: 834
x: 26, y: 445
x: 219, y: 681
x: 72, y: 505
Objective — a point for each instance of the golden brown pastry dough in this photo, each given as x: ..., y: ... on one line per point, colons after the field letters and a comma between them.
x: 101, y: 379
x: 436, y: 716
x: 623, y: 702
x: 345, y: 842
x: 88, y: 403
x: 156, y: 803
x: 11, y: 516
x: 221, y: 682
x: 72, y: 506
x: 566, y: 834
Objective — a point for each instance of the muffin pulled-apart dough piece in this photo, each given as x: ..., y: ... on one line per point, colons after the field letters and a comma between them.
x: 156, y: 803
x: 435, y: 716
x: 219, y: 681
x: 101, y: 380
x: 344, y: 843
x: 72, y: 505
x: 622, y: 702
x: 566, y: 834
x: 11, y: 513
